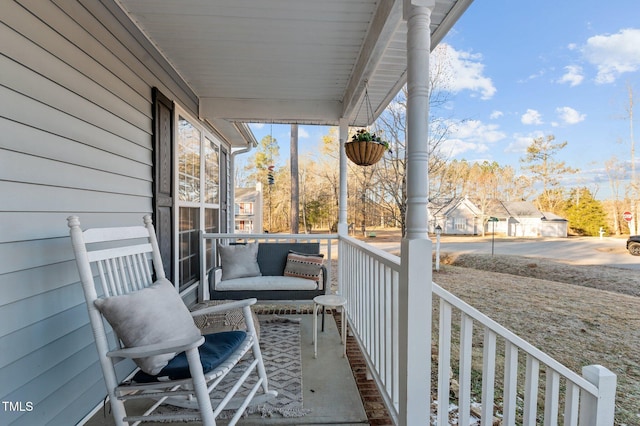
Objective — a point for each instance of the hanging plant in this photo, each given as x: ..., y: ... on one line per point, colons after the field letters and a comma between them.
x: 365, y: 148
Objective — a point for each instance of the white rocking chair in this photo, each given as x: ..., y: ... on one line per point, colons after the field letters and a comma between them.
x: 154, y: 328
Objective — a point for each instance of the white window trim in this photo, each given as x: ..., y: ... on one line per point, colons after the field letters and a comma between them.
x: 201, y: 205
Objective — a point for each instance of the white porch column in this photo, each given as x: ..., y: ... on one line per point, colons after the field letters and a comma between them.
x: 415, y: 277
x: 343, y: 227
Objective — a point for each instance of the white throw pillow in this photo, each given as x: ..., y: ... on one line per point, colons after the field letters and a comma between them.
x: 153, y: 315
x: 239, y: 261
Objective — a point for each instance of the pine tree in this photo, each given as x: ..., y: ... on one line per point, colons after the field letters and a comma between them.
x: 545, y: 170
x: 586, y: 215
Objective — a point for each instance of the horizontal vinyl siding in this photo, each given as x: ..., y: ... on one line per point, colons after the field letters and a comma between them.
x: 75, y: 138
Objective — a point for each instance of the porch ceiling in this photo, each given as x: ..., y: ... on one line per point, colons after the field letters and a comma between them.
x: 302, y: 61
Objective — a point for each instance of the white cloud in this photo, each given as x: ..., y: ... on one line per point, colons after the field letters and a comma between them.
x: 572, y: 46
x: 531, y: 117
x: 573, y: 75
x: 455, y: 147
x: 569, y: 115
x: 614, y: 54
x: 521, y: 142
x: 257, y: 125
x: 496, y: 114
x: 471, y: 136
x: 538, y: 74
x: 466, y: 71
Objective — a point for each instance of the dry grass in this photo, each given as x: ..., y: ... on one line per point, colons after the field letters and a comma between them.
x: 579, y: 315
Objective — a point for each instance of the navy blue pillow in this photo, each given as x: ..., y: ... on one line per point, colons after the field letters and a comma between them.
x: 216, y: 349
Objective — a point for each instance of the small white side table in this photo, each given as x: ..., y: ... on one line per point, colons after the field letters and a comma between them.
x: 332, y: 300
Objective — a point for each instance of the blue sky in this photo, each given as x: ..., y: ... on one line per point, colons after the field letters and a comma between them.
x: 526, y: 69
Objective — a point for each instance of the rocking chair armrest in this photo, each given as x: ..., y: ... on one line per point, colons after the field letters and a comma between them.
x: 170, y: 346
x: 224, y: 307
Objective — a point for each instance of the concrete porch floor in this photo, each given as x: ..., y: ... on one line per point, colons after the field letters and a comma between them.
x: 329, y: 388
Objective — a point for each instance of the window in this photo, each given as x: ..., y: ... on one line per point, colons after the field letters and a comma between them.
x: 244, y: 208
x: 244, y: 226
x: 188, y: 161
x: 198, y: 203
x: 460, y: 223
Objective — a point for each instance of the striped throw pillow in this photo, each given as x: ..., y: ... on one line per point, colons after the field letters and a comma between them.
x: 303, y: 265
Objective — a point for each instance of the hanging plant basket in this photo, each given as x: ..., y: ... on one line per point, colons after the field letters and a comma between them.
x: 364, y: 153
x: 365, y: 148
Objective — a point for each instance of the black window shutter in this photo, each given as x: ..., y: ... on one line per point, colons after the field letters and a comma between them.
x: 163, y: 177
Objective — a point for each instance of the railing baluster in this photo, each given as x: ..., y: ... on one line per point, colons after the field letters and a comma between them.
x: 396, y: 347
x: 377, y: 346
x: 466, y: 353
x: 510, y: 383
x: 531, y: 391
x: 444, y: 362
x: 488, y: 376
x: 388, y: 331
x: 552, y: 392
x: 571, y: 404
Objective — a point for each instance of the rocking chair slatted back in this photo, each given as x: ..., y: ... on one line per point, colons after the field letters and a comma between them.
x: 124, y: 274
x: 120, y: 269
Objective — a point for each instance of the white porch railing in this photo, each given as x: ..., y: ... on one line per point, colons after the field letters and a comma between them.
x: 493, y: 368
x: 535, y: 389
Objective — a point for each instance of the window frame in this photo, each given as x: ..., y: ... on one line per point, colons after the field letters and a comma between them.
x: 206, y: 136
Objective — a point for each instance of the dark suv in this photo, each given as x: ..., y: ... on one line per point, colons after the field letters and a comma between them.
x: 633, y: 245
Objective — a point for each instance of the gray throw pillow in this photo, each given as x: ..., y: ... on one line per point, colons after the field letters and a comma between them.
x: 152, y: 315
x: 239, y: 261
x: 303, y: 265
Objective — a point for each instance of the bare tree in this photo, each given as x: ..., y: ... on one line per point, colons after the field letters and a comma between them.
x: 634, y: 186
x: 616, y: 173
x: 391, y: 126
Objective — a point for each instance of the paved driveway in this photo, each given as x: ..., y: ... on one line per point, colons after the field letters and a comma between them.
x: 575, y: 250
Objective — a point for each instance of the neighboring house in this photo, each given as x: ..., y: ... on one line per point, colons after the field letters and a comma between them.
x: 248, y: 210
x: 457, y: 216
x: 553, y: 225
x: 495, y: 208
x: 515, y: 218
x: 524, y: 219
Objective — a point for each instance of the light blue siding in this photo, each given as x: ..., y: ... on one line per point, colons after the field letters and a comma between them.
x: 76, y: 138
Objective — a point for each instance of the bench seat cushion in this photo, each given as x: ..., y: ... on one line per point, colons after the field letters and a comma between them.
x: 267, y: 283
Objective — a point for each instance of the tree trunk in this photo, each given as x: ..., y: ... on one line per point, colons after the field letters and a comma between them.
x: 295, y: 190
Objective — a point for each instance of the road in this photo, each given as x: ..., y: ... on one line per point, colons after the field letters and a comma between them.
x: 608, y: 251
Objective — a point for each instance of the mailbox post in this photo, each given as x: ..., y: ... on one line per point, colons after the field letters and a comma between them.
x: 493, y: 221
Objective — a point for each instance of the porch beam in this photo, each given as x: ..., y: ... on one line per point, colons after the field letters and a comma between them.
x: 415, y: 293
x: 269, y: 110
x: 381, y: 30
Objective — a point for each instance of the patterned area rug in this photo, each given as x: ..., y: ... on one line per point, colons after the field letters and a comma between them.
x: 280, y: 345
